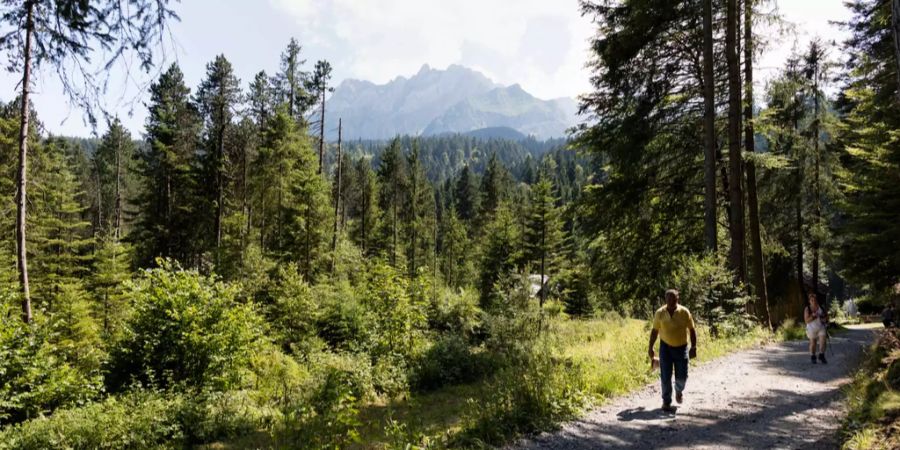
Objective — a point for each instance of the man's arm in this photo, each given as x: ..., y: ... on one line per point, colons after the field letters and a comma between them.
x: 653, y: 334
x: 693, y: 352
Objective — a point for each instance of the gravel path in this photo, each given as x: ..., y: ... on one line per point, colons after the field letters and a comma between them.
x: 765, y: 398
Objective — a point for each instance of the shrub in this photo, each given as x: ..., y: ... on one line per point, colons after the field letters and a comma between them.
x: 134, y: 421
x: 398, y: 320
x: 455, y: 312
x: 790, y: 330
x: 36, y: 375
x: 450, y: 360
x: 187, y: 331
x: 343, y: 323
x: 533, y: 394
x: 329, y: 419
x: 224, y: 415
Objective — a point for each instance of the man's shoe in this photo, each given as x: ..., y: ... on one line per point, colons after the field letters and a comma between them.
x: 812, y: 358
x: 667, y: 407
x: 822, y: 358
x: 679, y: 397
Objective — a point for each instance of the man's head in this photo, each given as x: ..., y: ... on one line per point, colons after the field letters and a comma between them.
x: 672, y: 298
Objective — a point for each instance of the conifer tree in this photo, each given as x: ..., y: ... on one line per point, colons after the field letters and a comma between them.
x: 165, y: 225
x: 543, y: 236
x: 216, y: 100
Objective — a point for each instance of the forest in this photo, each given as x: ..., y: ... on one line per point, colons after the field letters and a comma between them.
x: 228, y: 276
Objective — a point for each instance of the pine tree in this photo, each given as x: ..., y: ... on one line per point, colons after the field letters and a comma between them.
x: 111, y: 164
x: 293, y: 195
x: 418, y: 214
x: 392, y: 181
x: 290, y: 83
x: 543, y: 236
x: 61, y: 236
x: 216, y: 100
x: 500, y: 255
x: 871, y: 150
x: 465, y: 196
x: 112, y: 262
x: 318, y: 88
x: 364, y: 205
x: 165, y: 226
x: 494, y: 185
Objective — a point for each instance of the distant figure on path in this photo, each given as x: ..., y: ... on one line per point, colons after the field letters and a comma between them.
x: 889, y: 316
x: 816, y: 320
x: 672, y: 324
x: 852, y: 310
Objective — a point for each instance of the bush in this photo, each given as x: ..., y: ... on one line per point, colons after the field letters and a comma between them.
x: 455, y: 312
x: 187, y: 332
x: 533, y: 394
x: 329, y: 419
x: 225, y: 415
x: 343, y: 323
x: 134, y: 421
x: 790, y: 330
x: 450, y: 360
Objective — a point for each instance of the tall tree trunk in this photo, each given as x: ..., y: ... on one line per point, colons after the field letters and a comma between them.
x: 758, y: 261
x: 543, y: 255
x: 816, y: 189
x: 337, y: 201
x: 734, y: 145
x: 220, y: 191
x: 322, y: 133
x: 22, y: 179
x: 118, y: 206
x: 895, y: 28
x: 709, y: 129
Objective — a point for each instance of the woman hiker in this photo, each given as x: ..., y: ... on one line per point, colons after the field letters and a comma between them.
x: 816, y: 320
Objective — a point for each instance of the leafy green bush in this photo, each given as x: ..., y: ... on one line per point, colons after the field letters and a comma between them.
x: 790, y: 330
x: 328, y: 419
x: 450, y: 360
x: 533, y: 394
x: 224, y: 415
x: 343, y: 322
x: 187, y: 332
x: 134, y: 421
x: 455, y: 312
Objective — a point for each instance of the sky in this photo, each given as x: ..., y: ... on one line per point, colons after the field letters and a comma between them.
x: 541, y: 45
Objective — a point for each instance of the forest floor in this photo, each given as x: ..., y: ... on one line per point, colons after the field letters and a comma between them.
x: 770, y: 397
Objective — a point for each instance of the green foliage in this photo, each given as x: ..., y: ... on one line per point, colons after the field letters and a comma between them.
x: 38, y: 376
x: 293, y: 313
x: 449, y: 361
x: 134, y: 421
x: 112, y: 268
x: 535, y: 393
x: 187, y: 332
x: 398, y: 319
x: 707, y: 289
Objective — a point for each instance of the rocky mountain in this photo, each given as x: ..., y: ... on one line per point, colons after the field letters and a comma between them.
x: 432, y: 102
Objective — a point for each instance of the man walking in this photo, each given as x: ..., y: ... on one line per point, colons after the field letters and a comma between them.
x: 673, y: 324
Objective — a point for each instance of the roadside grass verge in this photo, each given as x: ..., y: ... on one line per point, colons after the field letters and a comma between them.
x: 874, y: 398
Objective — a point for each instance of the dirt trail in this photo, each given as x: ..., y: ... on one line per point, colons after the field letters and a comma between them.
x: 764, y: 398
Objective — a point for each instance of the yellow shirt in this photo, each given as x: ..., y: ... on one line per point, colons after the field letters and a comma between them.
x: 673, y: 329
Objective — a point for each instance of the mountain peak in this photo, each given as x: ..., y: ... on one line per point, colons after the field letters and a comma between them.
x: 457, y: 99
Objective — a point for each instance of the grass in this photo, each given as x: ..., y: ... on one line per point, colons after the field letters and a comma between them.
x: 612, y: 353
x: 874, y: 398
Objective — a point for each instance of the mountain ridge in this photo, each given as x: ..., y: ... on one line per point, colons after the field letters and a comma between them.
x: 434, y: 101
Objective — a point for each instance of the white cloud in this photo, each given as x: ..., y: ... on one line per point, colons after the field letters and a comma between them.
x: 537, y: 43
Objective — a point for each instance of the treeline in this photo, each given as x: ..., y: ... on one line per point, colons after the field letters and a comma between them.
x: 778, y: 185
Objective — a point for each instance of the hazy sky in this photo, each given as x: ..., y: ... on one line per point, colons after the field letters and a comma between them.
x: 540, y: 44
